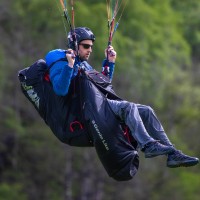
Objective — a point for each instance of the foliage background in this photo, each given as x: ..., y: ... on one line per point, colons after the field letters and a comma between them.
x: 158, y: 64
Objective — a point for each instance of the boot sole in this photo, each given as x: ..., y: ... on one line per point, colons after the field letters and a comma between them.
x: 182, y: 164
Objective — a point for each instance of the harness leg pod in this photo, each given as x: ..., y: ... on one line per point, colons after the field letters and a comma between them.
x: 118, y: 156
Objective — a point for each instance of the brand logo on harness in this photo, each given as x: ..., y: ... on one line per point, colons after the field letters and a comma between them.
x: 32, y: 94
x: 100, y: 135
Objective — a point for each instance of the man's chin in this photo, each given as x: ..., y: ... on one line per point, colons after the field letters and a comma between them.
x: 85, y: 59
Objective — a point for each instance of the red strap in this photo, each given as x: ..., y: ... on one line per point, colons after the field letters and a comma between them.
x: 46, y: 77
x: 75, y: 123
x: 126, y: 133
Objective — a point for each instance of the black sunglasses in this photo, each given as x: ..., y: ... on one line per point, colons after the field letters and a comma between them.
x: 86, y: 46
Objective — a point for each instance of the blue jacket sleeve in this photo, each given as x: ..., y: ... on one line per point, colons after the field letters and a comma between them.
x: 60, y: 73
x: 60, y: 76
x: 108, y: 69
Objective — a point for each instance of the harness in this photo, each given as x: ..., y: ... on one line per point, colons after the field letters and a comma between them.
x: 83, y: 118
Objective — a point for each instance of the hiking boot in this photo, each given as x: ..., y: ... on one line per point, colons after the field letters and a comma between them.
x: 178, y: 159
x: 155, y: 148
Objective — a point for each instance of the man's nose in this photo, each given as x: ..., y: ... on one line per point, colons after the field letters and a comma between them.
x: 90, y: 49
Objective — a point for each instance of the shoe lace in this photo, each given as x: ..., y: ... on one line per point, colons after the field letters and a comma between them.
x: 179, y: 155
x: 155, y: 145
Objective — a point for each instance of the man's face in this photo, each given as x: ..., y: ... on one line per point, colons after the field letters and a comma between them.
x: 85, y: 48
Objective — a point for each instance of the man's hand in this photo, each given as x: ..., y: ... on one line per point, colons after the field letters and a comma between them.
x: 70, y: 57
x: 110, y: 54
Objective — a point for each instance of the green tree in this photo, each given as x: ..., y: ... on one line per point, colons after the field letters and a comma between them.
x: 12, y: 191
x: 158, y: 64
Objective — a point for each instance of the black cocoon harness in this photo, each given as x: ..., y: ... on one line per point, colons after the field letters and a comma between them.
x: 83, y: 117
